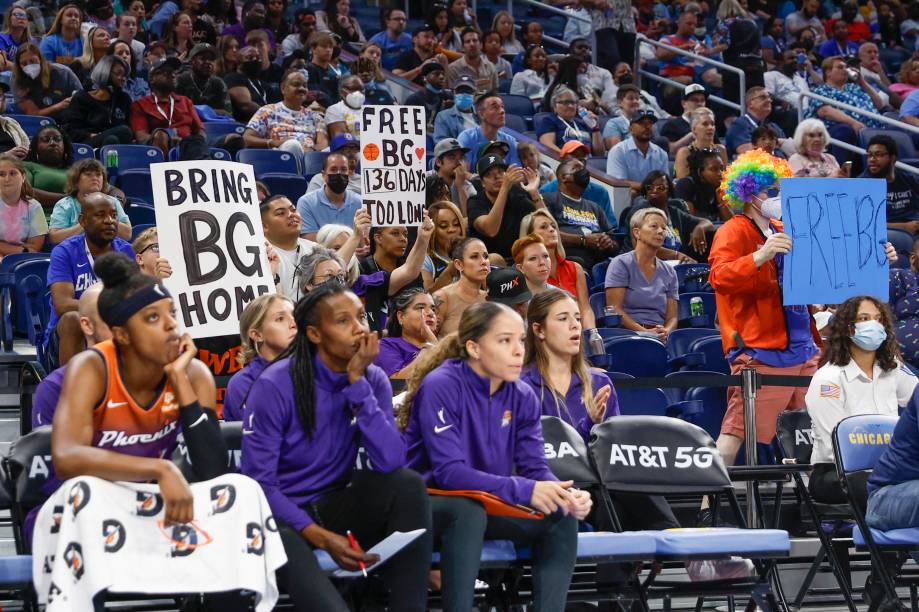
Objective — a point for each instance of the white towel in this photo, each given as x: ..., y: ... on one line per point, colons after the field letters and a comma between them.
x: 93, y: 535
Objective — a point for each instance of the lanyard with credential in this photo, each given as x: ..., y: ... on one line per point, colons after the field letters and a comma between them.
x: 577, y: 133
x: 89, y: 257
x: 172, y: 107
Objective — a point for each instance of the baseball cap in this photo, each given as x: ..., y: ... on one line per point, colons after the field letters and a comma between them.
x: 643, y: 114
x: 507, y: 286
x: 494, y: 147
x: 465, y: 82
x: 172, y: 63
x: 448, y: 145
x: 342, y: 140
x: 431, y: 67
x: 694, y: 88
x: 425, y: 27
x: 487, y: 162
x: 202, y: 48
x: 573, y: 145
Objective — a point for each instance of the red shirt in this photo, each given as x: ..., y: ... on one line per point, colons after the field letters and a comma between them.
x: 148, y: 114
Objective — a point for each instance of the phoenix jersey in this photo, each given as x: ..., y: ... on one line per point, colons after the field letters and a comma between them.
x: 124, y: 426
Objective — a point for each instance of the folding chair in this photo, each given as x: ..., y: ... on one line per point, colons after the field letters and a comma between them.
x: 29, y: 471
x: 11, y: 302
x: 665, y: 456
x: 858, y: 442
x: 794, y: 434
x: 16, y: 570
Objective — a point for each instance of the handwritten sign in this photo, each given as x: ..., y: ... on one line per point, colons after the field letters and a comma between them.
x: 210, y: 230
x: 838, y: 230
x: 393, y: 155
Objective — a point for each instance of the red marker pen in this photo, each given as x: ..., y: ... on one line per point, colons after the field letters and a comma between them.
x: 353, y: 544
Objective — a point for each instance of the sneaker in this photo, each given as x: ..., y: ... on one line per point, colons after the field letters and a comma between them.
x: 705, y: 518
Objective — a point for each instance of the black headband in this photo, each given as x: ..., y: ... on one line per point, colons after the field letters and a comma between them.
x: 125, y: 309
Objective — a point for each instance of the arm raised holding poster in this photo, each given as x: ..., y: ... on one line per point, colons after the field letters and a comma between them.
x: 411, y: 269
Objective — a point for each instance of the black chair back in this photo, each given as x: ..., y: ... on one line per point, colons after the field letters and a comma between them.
x: 566, y: 452
x: 796, y: 436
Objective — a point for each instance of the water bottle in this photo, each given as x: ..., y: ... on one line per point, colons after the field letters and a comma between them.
x: 611, y: 316
x: 696, y: 308
x: 589, y: 121
x: 596, y: 343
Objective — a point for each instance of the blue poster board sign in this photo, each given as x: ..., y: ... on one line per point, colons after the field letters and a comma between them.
x: 838, y: 231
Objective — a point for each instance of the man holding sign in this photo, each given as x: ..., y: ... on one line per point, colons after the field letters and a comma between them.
x: 748, y: 258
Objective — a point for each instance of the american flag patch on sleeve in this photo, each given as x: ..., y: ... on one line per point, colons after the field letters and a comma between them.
x: 831, y: 391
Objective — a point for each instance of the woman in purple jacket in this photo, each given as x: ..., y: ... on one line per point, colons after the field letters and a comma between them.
x: 557, y: 369
x: 411, y: 327
x: 266, y: 329
x: 306, y: 416
x: 471, y: 424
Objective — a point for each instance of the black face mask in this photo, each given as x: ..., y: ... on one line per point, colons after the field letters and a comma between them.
x: 808, y: 44
x: 337, y: 183
x: 626, y: 79
x: 254, y: 23
x: 252, y: 67
x: 581, y: 178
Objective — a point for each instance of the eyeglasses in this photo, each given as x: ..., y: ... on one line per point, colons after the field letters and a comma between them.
x: 51, y: 138
x: 567, y: 102
x: 154, y: 246
x: 877, y: 155
x: 19, y: 15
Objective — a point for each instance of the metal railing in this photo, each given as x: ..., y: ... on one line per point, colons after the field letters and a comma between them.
x: 640, y: 72
x: 557, y: 11
x: 900, y: 125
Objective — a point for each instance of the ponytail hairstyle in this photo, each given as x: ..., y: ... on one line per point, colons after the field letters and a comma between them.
x: 301, y: 351
x: 252, y: 318
x: 536, y: 351
x: 121, y: 278
x: 475, y: 323
x: 400, y: 303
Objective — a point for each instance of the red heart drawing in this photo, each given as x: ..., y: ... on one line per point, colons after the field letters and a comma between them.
x: 419, y: 151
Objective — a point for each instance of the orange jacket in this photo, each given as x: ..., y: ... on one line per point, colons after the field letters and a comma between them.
x: 749, y: 300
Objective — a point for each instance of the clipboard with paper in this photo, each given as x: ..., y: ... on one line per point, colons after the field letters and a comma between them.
x: 494, y: 505
x: 386, y: 549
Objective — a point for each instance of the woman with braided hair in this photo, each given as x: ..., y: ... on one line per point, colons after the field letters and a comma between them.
x: 307, y: 414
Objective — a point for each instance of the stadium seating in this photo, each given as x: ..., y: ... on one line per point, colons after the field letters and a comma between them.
x: 905, y: 147
x: 638, y: 356
x: 136, y: 230
x: 519, y: 106
x: 679, y: 342
x: 12, y: 293
x: 516, y: 123
x: 313, y: 162
x: 692, y: 278
x: 82, y: 151
x: 713, y: 350
x: 141, y: 214
x: 290, y: 185
x: 136, y: 185
x: 598, y: 275
x: 684, y: 313
x: 264, y: 161
x: 131, y: 157
x: 214, y: 129
x: 30, y: 124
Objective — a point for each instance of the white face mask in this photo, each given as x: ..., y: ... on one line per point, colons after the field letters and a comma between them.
x: 355, y: 99
x: 32, y: 70
x: 771, y: 208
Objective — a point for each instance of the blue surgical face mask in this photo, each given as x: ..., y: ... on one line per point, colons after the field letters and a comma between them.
x: 869, y: 335
x: 432, y: 89
x: 463, y: 101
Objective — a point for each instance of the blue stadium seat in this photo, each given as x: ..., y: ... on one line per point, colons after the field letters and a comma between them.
x: 32, y: 300
x: 291, y: 185
x: 901, y: 239
x: 133, y: 157
x: 542, y: 123
x: 11, y: 301
x: 642, y: 402
x: 678, y: 343
x: 313, y: 162
x: 713, y: 350
x: 141, y: 215
x: 136, y: 185
x: 598, y: 305
x: 30, y: 124
x: 520, y: 106
x: 598, y: 274
x: 516, y: 123
x: 639, y: 356
x: 714, y: 405
x: 678, y: 394
x: 137, y: 230
x: 82, y: 151
x: 223, y: 128
x: 684, y: 314
x: 615, y: 332
x: 218, y: 154
x: 264, y: 161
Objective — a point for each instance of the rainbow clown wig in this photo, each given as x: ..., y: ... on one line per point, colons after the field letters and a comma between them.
x: 751, y: 173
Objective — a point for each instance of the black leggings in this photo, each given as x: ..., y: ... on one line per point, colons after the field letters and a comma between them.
x: 372, y: 506
x: 824, y: 485
x: 461, y: 526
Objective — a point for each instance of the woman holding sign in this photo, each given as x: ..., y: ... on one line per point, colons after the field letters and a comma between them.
x: 472, y: 425
x: 316, y: 405
x: 747, y: 258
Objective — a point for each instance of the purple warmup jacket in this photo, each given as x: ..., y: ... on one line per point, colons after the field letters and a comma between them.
x: 295, y: 469
x: 238, y: 389
x: 571, y: 408
x: 47, y: 394
x: 395, y: 354
x: 461, y: 438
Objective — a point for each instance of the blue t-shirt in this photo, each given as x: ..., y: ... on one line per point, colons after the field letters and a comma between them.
x: 56, y: 49
x: 392, y: 49
x: 71, y: 263
x: 473, y: 139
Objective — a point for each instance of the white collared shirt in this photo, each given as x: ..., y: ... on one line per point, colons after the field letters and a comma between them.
x: 837, y: 392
